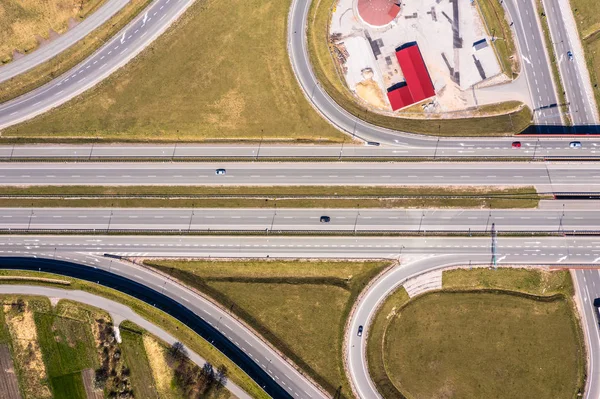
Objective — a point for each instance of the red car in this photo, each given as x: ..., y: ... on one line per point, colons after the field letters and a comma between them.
x: 516, y: 144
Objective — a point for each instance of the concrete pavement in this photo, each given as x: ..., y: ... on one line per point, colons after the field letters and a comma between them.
x: 546, y: 177
x: 118, y: 313
x: 558, y: 220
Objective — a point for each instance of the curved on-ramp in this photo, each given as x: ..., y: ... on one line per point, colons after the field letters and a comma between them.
x: 370, y: 300
x: 266, y: 367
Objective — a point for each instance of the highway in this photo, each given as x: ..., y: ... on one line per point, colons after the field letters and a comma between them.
x: 547, y: 177
x: 63, y: 42
x: 556, y: 220
x: 488, y: 148
x: 417, y: 254
x: 534, y: 61
x: 118, y: 312
x: 574, y: 73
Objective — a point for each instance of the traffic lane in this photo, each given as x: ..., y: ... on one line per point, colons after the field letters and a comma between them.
x: 534, y: 61
x: 581, y: 112
x: 587, y: 284
x: 561, y: 250
x: 185, y: 219
x: 301, y: 174
x: 405, y: 147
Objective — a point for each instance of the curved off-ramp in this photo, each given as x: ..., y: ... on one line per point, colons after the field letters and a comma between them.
x: 413, y: 266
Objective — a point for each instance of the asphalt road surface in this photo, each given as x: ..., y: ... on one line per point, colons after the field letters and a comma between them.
x: 547, y: 177
x: 587, y: 283
x: 118, y: 313
x: 63, y: 42
x: 582, y: 112
x: 534, y: 62
x: 421, y: 146
x: 418, y: 255
x: 345, y: 220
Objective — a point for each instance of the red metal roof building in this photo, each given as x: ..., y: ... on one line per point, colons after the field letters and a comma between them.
x: 378, y: 12
x: 418, y: 82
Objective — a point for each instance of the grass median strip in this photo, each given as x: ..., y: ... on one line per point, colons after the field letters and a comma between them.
x: 268, y: 197
x: 300, y: 307
x: 587, y: 15
x: 524, y: 338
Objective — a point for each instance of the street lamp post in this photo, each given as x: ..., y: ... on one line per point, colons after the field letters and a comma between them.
x: 191, y: 217
x: 357, y: 215
x: 109, y: 220
x: 274, y: 214
x: 30, y: 216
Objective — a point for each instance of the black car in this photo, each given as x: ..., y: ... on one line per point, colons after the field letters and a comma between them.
x: 360, y: 328
x: 325, y: 219
x: 220, y: 172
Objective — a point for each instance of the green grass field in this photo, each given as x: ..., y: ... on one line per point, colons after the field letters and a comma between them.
x: 331, y: 80
x: 168, y: 323
x: 301, y: 307
x: 134, y: 356
x: 587, y: 15
x: 261, y: 197
x: 68, y: 348
x: 515, y: 346
x: 202, y: 80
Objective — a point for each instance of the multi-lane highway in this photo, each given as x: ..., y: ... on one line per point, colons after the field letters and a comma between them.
x: 557, y: 220
x: 406, y: 147
x: 547, y: 177
x: 573, y: 70
x: 534, y: 61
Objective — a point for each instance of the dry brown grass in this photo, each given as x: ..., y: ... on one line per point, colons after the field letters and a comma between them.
x: 24, y: 23
x: 162, y: 373
x: 28, y: 355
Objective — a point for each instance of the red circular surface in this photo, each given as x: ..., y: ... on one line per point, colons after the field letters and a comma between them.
x: 378, y: 12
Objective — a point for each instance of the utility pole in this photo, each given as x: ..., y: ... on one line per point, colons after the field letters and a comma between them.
x: 274, y: 214
x: 30, y: 216
x: 436, y: 147
x: 109, y: 220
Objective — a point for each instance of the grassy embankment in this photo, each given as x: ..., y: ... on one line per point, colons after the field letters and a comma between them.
x: 511, y: 121
x: 66, y: 60
x: 494, y: 18
x: 260, y: 197
x: 21, y: 23
x: 202, y: 80
x: 168, y: 323
x: 300, y: 307
x: 587, y: 15
x: 560, y: 89
x: 527, y: 343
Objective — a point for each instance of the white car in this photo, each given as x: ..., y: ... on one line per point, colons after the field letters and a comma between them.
x: 575, y: 144
x: 220, y: 172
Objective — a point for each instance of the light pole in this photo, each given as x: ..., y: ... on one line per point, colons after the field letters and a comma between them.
x: 357, y: 215
x: 274, y: 214
x: 109, y: 220
x: 30, y: 216
x: 191, y: 217
x: 400, y: 254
